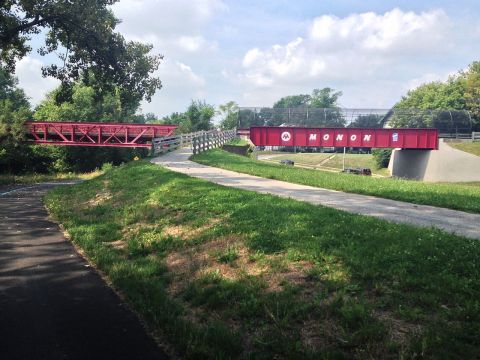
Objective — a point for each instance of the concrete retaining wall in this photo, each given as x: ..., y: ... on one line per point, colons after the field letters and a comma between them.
x: 445, y: 164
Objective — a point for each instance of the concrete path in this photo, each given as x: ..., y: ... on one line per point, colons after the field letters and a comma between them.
x: 52, y: 304
x: 457, y: 222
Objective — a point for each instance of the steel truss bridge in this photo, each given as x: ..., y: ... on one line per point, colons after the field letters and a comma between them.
x: 95, y: 134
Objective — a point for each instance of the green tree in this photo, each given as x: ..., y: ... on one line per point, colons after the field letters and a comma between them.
x: 293, y: 101
x: 14, y: 110
x: 446, y: 96
x: 229, y: 114
x: 86, y: 105
x: 325, y: 98
x: 367, y: 121
x: 472, y: 92
x: 200, y: 115
x: 83, y: 34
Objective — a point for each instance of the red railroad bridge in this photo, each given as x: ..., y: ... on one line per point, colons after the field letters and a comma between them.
x: 420, y: 139
x: 95, y: 133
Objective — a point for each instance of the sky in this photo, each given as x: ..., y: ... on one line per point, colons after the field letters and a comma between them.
x: 255, y: 52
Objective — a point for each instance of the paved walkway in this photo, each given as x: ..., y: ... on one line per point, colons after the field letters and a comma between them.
x: 52, y: 304
x: 458, y: 222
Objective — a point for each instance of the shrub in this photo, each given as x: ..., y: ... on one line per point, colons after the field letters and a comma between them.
x: 382, y: 157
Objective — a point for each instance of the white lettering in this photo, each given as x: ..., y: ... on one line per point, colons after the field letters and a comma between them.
x: 367, y: 137
x: 326, y: 137
x: 353, y: 137
x: 339, y: 137
x: 313, y: 137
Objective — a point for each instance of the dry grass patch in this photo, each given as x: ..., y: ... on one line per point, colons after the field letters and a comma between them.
x: 188, y: 232
x: 400, y: 331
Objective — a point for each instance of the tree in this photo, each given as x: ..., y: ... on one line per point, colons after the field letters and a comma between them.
x: 200, y: 115
x: 83, y: 32
x: 413, y: 110
x: 229, y: 113
x: 292, y: 101
x: 85, y: 105
x: 14, y: 110
x: 367, y: 121
x: 325, y: 98
x: 472, y: 92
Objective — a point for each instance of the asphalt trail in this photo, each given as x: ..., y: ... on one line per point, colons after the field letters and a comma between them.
x: 52, y: 304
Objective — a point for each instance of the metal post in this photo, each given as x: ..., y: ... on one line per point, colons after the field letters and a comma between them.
x: 343, y: 167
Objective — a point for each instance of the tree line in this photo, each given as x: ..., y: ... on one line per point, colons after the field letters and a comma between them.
x: 105, y: 78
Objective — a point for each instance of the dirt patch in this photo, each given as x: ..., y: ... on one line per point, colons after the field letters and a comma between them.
x: 118, y: 245
x: 100, y: 198
x: 188, y: 232
x: 399, y: 330
x: 318, y: 334
x: 195, y: 262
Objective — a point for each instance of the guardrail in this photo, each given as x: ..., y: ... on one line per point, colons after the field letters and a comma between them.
x: 199, y: 141
x: 475, y: 136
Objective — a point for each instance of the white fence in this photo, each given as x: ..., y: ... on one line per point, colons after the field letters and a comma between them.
x: 199, y: 141
x: 474, y: 136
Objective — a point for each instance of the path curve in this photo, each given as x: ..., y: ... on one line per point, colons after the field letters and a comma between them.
x: 452, y: 221
x: 53, y: 305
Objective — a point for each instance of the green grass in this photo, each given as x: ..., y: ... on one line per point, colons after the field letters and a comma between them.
x: 464, y: 197
x: 470, y: 147
x: 333, y: 161
x: 226, y: 273
x: 238, y: 141
x: 8, y: 179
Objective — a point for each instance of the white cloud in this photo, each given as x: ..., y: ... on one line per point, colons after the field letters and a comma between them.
x: 174, y: 27
x: 29, y: 73
x: 180, y: 85
x: 393, y: 31
x: 360, y: 53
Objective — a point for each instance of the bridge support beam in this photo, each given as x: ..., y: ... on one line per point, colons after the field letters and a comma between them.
x: 445, y: 164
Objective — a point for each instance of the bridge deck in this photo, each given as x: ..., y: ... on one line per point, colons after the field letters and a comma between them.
x: 95, y: 134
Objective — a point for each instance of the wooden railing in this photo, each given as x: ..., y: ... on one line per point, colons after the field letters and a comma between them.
x: 199, y: 141
x: 211, y: 140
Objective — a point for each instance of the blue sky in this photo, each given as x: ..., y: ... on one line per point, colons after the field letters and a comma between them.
x: 254, y: 52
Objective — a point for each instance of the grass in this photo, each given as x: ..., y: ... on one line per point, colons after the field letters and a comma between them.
x: 226, y: 273
x: 464, y: 197
x: 8, y: 179
x: 333, y: 161
x: 470, y: 147
x: 238, y: 141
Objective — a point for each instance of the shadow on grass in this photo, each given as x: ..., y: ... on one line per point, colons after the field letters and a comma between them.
x: 358, y: 267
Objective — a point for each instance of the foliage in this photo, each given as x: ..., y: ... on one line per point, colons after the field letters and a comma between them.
x: 83, y: 33
x: 325, y: 98
x: 472, y: 92
x: 229, y: 113
x: 293, y: 101
x: 459, y: 92
x: 321, y: 98
x: 86, y: 105
x: 199, y: 116
x: 367, y: 121
x: 14, y: 110
x: 215, y: 268
x: 382, y: 157
x: 318, y: 109
x: 454, y: 196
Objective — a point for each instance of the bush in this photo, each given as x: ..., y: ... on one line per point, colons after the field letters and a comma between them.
x: 382, y: 157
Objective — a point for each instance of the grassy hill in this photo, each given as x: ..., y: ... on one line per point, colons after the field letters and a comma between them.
x: 226, y: 273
